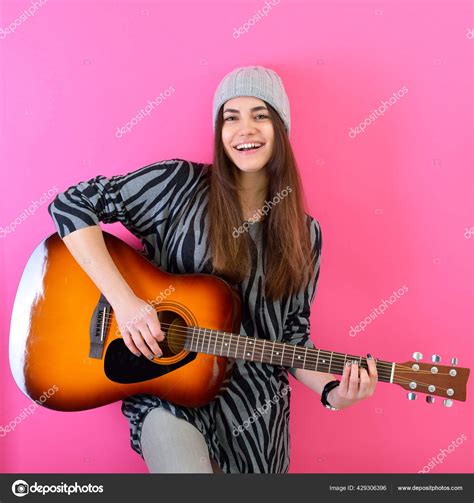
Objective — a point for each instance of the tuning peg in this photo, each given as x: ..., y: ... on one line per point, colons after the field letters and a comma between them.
x: 417, y: 356
x: 454, y: 361
x: 411, y: 396
x: 435, y: 358
x: 430, y: 399
x: 447, y: 402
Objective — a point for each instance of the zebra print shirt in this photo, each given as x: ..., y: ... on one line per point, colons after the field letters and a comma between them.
x: 164, y: 204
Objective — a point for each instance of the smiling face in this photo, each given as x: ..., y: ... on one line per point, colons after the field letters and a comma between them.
x: 247, y: 120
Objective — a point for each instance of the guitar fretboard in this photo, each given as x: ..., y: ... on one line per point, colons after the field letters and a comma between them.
x: 215, y: 342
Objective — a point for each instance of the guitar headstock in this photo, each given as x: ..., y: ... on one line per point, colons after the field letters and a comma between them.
x: 432, y: 379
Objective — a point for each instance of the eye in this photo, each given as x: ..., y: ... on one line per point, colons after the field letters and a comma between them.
x: 230, y: 117
x: 263, y: 115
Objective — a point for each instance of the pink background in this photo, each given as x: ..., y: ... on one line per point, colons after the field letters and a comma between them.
x: 394, y: 202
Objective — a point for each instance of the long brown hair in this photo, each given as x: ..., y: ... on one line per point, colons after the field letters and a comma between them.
x: 287, y: 255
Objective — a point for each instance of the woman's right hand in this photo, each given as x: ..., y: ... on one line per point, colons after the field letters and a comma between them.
x: 139, y: 326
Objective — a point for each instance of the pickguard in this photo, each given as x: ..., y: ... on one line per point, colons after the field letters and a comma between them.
x: 122, y: 366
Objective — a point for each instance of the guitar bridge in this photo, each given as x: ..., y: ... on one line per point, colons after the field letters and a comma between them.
x: 98, y: 327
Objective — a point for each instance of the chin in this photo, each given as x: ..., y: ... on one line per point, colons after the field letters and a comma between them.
x: 249, y: 166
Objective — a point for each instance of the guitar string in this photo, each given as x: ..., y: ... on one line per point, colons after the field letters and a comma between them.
x: 336, y: 361
x: 338, y: 365
x: 184, y: 334
x: 310, y: 358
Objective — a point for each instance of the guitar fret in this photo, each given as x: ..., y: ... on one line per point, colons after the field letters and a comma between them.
x: 203, y: 339
x: 245, y: 347
x: 299, y: 350
x: 222, y: 343
x: 325, y: 365
x: 330, y: 361
x: 326, y: 362
x: 236, y: 346
x: 249, y: 356
x: 192, y: 341
x: 273, y: 351
x: 209, y: 340
x: 215, y: 341
x: 197, y: 341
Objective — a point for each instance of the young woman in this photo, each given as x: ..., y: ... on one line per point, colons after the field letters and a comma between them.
x: 241, y: 218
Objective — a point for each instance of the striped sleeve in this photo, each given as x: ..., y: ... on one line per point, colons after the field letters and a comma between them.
x: 297, y: 324
x: 137, y: 199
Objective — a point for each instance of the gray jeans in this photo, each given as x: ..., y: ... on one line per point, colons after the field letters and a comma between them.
x: 172, y: 445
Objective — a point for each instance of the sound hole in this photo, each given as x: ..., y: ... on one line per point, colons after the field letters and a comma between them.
x: 174, y: 328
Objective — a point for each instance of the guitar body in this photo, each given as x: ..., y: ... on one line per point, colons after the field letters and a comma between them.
x: 64, y: 337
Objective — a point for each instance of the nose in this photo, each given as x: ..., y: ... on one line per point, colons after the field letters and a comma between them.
x: 247, y: 125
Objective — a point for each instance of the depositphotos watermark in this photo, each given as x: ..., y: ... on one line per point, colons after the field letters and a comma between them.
x: 443, y: 453
x: 27, y: 212
x: 360, y: 327
x: 257, y: 215
x: 263, y: 12
x: 468, y: 232
x: 148, y: 309
x: 378, y: 112
x: 27, y: 13
x: 21, y: 488
x: 27, y: 411
x: 259, y: 411
x: 144, y: 112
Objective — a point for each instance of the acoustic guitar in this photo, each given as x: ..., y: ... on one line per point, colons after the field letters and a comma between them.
x: 64, y: 337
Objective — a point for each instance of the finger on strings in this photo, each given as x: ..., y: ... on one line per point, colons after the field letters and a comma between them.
x: 140, y: 342
x: 150, y: 340
x: 354, y: 379
x: 343, y: 387
x: 154, y: 326
x: 372, y: 366
x: 127, y: 337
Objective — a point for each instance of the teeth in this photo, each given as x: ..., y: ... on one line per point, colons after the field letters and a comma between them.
x: 248, y: 145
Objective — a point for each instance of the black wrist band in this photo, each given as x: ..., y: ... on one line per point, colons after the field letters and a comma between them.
x: 327, y: 388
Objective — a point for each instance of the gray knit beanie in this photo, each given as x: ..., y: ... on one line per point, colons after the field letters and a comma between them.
x: 256, y: 81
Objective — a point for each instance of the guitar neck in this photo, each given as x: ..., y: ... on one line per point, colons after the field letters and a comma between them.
x: 215, y: 342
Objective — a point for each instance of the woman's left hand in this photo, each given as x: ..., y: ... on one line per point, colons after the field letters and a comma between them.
x: 356, y: 384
